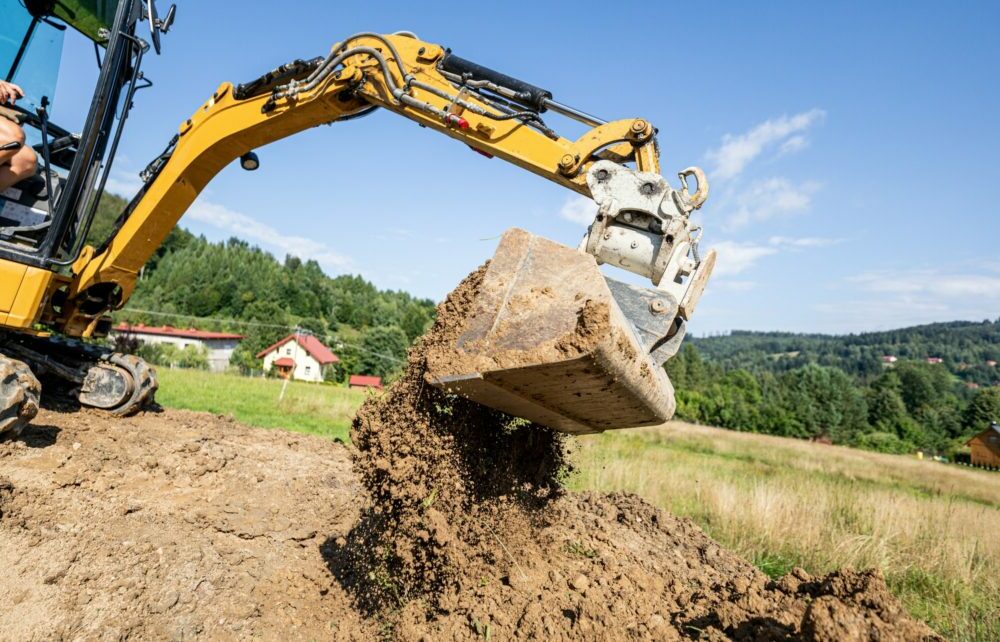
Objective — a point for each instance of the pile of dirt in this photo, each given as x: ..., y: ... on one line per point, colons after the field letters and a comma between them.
x: 447, y: 523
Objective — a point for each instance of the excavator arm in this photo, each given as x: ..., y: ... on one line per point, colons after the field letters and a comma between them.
x: 642, y: 226
x: 396, y: 72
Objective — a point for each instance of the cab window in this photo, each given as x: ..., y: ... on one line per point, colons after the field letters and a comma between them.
x: 38, y: 69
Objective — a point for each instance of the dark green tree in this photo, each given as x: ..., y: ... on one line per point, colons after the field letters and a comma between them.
x: 982, y: 409
x: 383, y: 350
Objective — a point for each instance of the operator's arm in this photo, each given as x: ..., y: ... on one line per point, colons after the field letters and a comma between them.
x: 396, y: 72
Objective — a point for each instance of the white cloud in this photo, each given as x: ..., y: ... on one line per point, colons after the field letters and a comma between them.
x: 766, y: 199
x: 792, y: 145
x: 884, y: 299
x: 798, y: 243
x: 931, y: 284
x: 736, y: 258
x: 125, y: 184
x: 579, y: 209
x: 737, y: 151
x: 249, y: 228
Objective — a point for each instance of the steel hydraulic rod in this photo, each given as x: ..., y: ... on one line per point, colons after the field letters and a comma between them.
x: 573, y: 113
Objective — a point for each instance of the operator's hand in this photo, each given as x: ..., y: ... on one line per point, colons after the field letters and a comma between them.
x: 9, y: 92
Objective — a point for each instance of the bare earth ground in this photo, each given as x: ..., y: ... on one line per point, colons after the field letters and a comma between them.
x: 183, y: 525
x: 447, y: 523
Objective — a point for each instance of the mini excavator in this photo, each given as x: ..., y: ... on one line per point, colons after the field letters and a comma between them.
x: 551, y: 339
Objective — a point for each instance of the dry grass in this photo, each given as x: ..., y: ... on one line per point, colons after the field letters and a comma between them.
x: 931, y: 528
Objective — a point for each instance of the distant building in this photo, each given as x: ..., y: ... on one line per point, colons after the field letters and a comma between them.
x: 218, y: 345
x: 356, y: 382
x: 971, y: 385
x: 985, y: 447
x: 991, y: 363
x: 889, y: 359
x: 935, y: 360
x: 300, y: 356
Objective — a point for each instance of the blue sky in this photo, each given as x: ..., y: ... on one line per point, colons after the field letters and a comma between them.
x: 851, y: 147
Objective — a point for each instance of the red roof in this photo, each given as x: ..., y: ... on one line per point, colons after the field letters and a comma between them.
x: 365, y: 380
x: 312, y: 345
x: 167, y: 331
x: 285, y: 362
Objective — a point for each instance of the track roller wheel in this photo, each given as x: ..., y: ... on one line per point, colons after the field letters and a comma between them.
x: 122, y: 384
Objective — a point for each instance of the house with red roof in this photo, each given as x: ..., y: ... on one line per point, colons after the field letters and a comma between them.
x: 361, y: 382
x: 218, y: 346
x: 300, y: 356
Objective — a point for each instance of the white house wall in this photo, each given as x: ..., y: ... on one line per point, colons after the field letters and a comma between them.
x: 306, y: 367
x: 218, y: 351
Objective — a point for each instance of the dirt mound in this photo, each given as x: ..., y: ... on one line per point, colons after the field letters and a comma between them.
x: 468, y: 533
x: 611, y: 567
x: 447, y: 523
x: 187, y: 526
x: 172, y: 526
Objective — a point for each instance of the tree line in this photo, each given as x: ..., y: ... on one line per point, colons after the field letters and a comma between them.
x: 896, y: 407
x: 967, y: 349
x: 236, y: 287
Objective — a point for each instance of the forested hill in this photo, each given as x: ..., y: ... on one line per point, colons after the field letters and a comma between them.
x: 840, y: 388
x: 233, y: 286
x: 965, y: 347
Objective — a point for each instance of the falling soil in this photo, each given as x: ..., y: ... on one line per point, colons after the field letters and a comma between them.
x: 453, y: 485
x: 447, y: 523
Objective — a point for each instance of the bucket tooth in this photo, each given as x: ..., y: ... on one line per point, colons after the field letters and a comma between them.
x: 548, y: 341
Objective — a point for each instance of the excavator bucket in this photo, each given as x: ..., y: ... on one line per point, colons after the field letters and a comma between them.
x: 552, y: 340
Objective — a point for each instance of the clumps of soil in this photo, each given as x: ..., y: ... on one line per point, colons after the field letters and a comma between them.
x: 611, y: 567
x: 185, y: 526
x: 453, y: 485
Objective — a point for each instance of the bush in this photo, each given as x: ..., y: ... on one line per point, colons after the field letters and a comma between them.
x: 883, y: 442
x: 169, y: 355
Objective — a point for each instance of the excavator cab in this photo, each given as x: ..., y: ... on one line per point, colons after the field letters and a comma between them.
x: 45, y: 218
x: 548, y: 337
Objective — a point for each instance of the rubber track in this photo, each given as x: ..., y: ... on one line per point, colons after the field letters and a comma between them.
x: 76, y: 354
x: 19, y: 394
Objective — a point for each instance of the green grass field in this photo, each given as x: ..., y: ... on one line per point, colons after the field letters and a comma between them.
x: 931, y: 528
x: 318, y: 409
